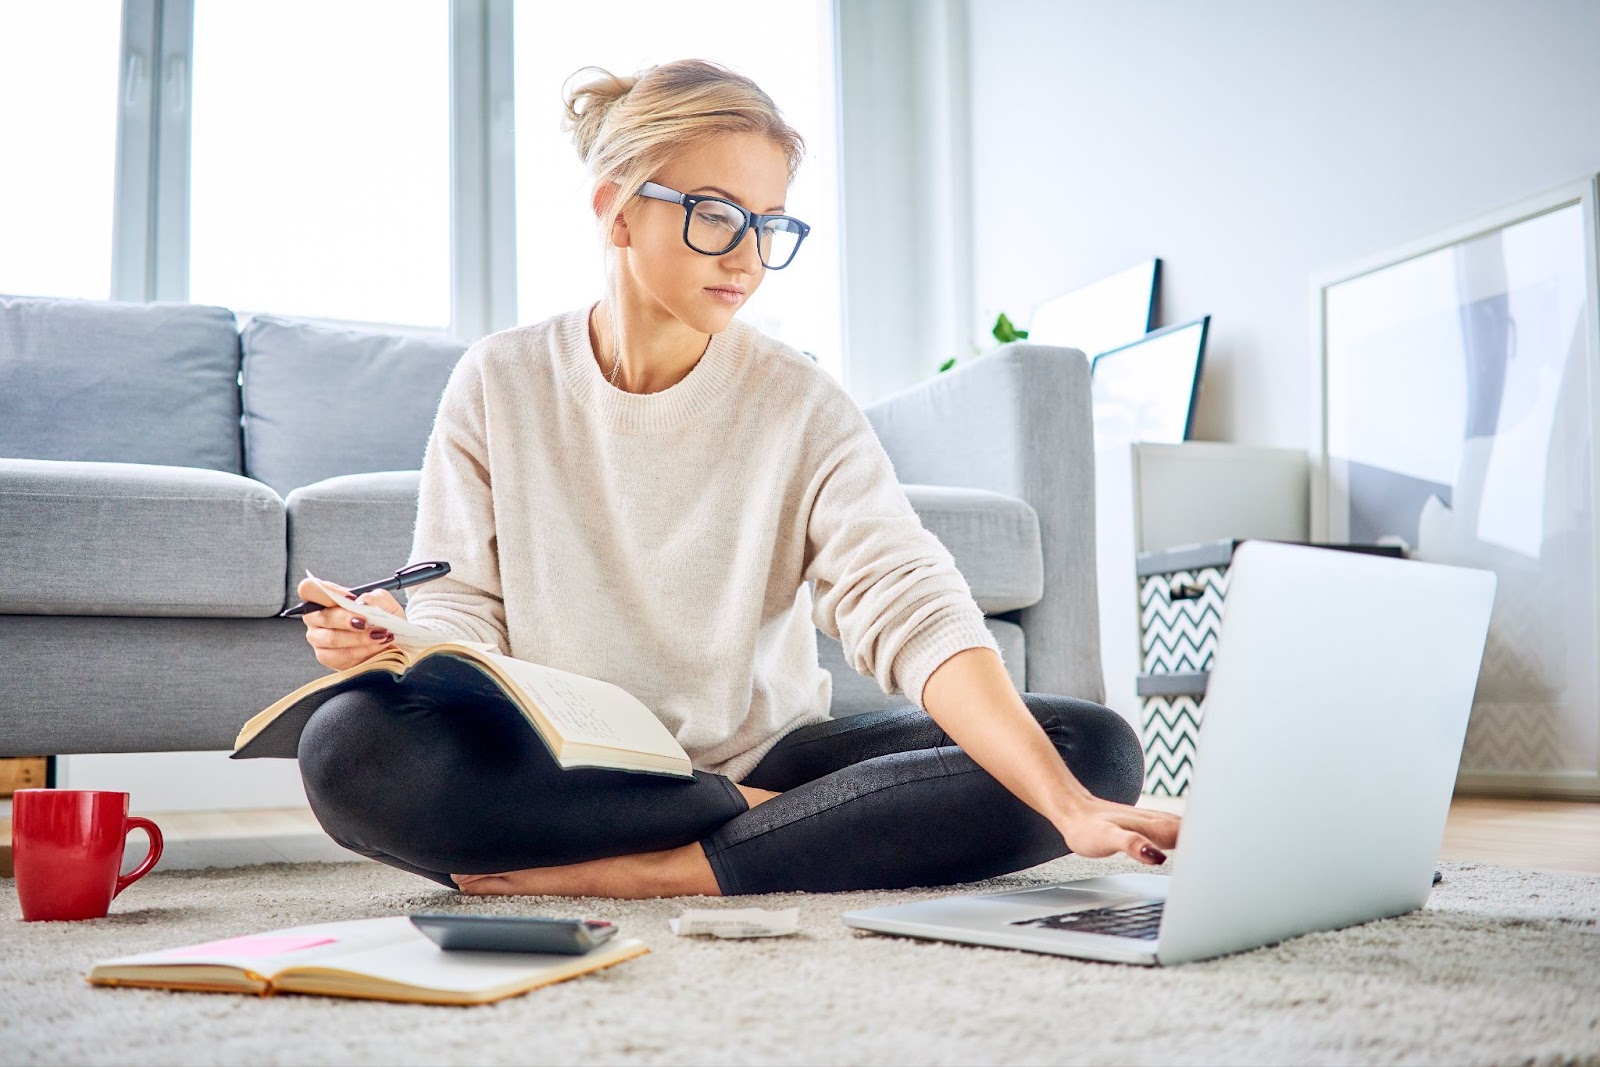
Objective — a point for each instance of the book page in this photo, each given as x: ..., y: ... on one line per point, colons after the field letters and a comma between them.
x: 591, y: 711
x: 268, y: 953
x: 250, y: 946
x: 407, y: 635
x: 418, y: 963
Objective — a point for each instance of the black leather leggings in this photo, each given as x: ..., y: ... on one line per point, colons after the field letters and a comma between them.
x: 879, y: 800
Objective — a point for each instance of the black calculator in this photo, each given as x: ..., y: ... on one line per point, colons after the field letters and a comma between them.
x: 513, y: 933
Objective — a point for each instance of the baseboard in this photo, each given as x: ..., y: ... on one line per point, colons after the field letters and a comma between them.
x: 195, y: 840
x: 249, y: 851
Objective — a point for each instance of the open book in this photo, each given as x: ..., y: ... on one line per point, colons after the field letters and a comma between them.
x: 585, y: 722
x: 372, y: 959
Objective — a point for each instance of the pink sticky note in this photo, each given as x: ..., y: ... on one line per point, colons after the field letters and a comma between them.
x: 252, y: 946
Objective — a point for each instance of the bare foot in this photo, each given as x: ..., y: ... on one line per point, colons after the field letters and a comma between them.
x: 756, y: 796
x: 683, y: 871
x: 672, y: 872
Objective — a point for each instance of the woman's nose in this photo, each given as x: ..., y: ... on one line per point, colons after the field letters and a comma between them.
x: 745, y: 255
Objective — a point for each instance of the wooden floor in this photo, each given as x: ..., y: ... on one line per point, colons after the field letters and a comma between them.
x: 1546, y: 835
x: 1549, y: 835
x: 1542, y: 835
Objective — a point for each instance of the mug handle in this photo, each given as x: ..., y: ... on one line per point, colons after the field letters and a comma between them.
x: 139, y: 822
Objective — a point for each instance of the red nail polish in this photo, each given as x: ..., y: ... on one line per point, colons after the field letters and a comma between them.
x: 358, y: 623
x: 1154, y: 855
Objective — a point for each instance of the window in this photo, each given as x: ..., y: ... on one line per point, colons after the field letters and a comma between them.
x: 320, y: 182
x: 58, y: 123
x: 787, y: 48
x: 298, y: 157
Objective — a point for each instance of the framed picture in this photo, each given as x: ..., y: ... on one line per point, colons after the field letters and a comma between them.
x: 1455, y: 414
x: 1146, y: 391
x: 1101, y: 315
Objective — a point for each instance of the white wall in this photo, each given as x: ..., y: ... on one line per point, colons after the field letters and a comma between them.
x: 903, y: 97
x: 1250, y: 143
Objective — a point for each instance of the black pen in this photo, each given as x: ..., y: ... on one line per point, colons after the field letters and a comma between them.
x: 415, y: 574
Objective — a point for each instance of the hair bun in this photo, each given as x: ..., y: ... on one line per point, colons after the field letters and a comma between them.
x: 588, y: 104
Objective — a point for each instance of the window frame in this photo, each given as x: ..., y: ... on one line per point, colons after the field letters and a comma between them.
x: 151, y: 212
x: 150, y: 217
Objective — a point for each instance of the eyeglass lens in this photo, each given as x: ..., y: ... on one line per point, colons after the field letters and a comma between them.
x: 714, y: 227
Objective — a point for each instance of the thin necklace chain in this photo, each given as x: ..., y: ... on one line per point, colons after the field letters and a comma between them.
x: 616, y: 364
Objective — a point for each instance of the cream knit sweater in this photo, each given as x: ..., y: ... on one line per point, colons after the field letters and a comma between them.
x: 665, y: 541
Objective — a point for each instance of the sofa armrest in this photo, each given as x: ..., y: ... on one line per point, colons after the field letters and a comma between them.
x: 1018, y: 421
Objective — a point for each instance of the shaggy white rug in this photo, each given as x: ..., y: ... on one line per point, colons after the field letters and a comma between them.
x: 1501, y: 966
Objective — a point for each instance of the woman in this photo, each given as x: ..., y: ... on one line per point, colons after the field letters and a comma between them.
x: 640, y: 491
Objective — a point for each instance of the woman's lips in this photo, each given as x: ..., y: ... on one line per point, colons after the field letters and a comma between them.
x: 726, y: 295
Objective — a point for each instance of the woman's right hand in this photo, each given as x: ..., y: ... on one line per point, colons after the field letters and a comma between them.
x: 341, y: 639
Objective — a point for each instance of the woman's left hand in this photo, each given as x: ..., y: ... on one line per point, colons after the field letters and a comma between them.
x: 1096, y: 828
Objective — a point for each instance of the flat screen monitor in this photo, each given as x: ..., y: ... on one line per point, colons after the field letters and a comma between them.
x: 1102, y: 315
x: 1145, y: 391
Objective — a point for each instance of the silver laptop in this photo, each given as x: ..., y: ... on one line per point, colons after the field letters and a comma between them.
x: 1335, y: 713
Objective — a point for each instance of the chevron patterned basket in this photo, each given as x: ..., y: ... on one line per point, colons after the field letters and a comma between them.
x: 1181, y: 595
x: 1170, y: 729
x: 1181, y: 592
x: 1180, y: 617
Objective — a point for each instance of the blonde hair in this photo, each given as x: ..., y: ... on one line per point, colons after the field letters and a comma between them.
x: 627, y: 127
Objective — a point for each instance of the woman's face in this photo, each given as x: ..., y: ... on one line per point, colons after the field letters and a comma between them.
x: 703, y: 292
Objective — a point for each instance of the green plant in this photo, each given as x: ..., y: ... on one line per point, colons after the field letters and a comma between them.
x: 1004, y: 331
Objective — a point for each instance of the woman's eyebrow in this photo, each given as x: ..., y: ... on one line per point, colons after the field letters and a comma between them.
x: 723, y: 192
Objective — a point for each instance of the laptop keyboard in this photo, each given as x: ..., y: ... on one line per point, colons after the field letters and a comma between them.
x: 1124, y: 920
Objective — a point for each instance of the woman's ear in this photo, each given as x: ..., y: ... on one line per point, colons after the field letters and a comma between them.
x: 604, y: 195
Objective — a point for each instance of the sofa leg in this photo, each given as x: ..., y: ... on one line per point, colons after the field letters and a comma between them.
x: 21, y: 772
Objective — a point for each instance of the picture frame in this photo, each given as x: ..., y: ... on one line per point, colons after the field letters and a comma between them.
x: 1148, y: 390
x: 1114, y: 311
x: 1454, y: 411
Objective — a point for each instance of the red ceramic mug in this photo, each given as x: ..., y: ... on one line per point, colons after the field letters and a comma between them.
x: 66, y: 848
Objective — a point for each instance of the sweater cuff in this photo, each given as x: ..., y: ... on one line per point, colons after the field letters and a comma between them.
x: 920, y: 656
x: 449, y: 630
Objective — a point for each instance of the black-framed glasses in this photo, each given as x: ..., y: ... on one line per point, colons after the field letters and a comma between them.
x: 713, y: 226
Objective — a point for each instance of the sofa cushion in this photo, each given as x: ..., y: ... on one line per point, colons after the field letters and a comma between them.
x: 321, y: 401
x: 994, y: 539
x: 854, y: 692
x: 137, y: 539
x: 352, y: 529
x: 107, y: 381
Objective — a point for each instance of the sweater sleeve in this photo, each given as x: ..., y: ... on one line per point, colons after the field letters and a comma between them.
x: 886, y: 588
x: 455, y: 519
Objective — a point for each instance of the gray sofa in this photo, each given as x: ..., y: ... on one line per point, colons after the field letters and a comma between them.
x: 166, y: 478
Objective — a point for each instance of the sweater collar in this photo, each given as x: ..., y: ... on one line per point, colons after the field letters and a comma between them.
x: 707, y: 381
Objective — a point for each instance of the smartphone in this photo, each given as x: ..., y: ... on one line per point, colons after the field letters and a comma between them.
x: 513, y: 933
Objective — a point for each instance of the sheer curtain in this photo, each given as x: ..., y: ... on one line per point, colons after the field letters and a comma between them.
x: 58, y: 123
